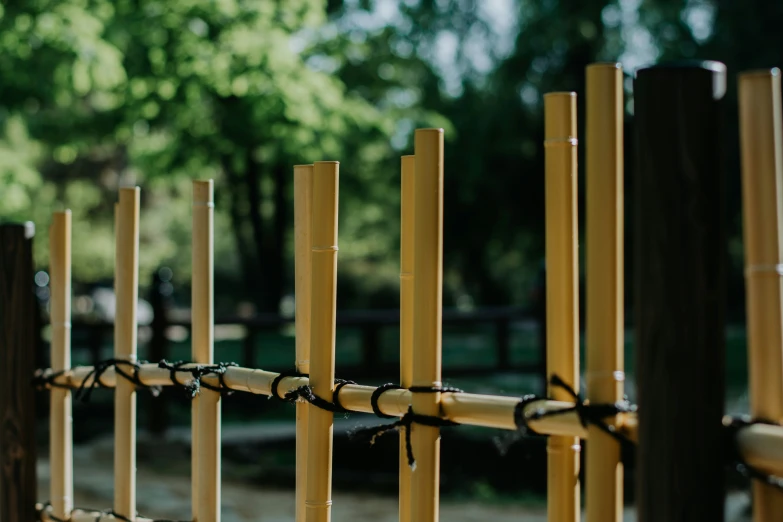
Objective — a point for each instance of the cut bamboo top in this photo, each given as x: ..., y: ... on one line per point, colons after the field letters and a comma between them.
x: 203, y: 191
x: 560, y: 120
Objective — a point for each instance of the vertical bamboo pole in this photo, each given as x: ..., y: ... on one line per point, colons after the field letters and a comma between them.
x: 761, y: 130
x: 60, y: 420
x: 127, y: 291
x: 407, y: 219
x: 322, y: 331
x: 562, y: 279
x: 428, y: 299
x: 207, y: 422
x: 604, y: 135
x: 303, y: 218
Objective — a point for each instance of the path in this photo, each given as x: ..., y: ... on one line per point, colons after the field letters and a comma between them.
x: 168, y: 496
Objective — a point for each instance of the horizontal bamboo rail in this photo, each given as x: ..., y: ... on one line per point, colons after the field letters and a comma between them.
x: 489, y: 411
x: 761, y: 445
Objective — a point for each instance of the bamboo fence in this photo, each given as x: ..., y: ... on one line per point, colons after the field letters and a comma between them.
x: 421, y: 274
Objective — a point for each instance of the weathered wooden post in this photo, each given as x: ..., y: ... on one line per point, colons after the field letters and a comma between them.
x: 18, y: 339
x: 680, y: 291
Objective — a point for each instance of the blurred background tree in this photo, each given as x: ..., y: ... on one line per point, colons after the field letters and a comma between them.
x: 98, y: 94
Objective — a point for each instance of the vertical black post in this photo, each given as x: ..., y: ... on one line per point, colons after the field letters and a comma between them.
x: 680, y: 291
x: 18, y: 340
x: 160, y: 298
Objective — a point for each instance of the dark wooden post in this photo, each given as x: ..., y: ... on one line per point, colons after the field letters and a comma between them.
x: 160, y: 300
x: 680, y: 291
x: 18, y: 340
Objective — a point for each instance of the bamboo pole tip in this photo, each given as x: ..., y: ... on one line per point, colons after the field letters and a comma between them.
x: 759, y: 74
x: 560, y: 116
x: 129, y: 195
x: 61, y: 217
x: 429, y: 131
x: 560, y: 95
x: 326, y: 163
x: 203, y: 191
x: 608, y: 66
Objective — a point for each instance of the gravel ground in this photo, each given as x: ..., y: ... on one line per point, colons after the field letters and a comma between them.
x: 168, y: 496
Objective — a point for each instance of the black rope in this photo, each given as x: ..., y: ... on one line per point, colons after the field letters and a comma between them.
x: 191, y: 386
x: 520, y: 419
x: 83, y: 392
x: 306, y: 393
x: 198, y: 371
x: 733, y: 428
x: 98, y: 514
x: 376, y: 395
x: 406, y: 421
x: 588, y: 413
x: 43, y: 380
x: 339, y: 383
x: 276, y: 382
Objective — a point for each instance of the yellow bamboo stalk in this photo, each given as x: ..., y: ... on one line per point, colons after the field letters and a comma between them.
x: 322, y: 338
x: 562, y: 301
x: 605, y: 314
x: 60, y: 420
x: 407, y: 208
x: 207, y: 402
x: 127, y: 292
x: 427, y: 297
x: 303, y: 217
x: 761, y: 133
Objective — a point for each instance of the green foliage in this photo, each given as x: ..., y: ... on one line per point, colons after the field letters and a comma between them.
x: 98, y: 94
x: 154, y: 93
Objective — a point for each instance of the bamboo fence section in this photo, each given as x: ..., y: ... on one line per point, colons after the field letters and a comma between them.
x: 322, y: 338
x: 316, y: 195
x: 761, y: 135
x: 303, y: 217
x: 605, y: 318
x: 60, y: 420
x: 562, y: 278
x: 407, y: 216
x: 127, y: 290
x: 206, y: 405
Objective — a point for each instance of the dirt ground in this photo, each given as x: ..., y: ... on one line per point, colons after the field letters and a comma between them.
x: 168, y: 496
